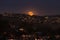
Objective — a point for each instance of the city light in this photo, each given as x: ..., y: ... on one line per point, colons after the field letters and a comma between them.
x: 21, y: 29
x: 10, y: 39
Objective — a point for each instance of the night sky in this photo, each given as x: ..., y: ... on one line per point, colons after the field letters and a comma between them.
x: 42, y: 7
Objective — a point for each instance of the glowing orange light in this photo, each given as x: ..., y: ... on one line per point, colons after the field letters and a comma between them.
x: 30, y: 13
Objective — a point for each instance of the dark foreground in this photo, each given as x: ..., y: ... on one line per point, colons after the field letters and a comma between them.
x: 25, y: 27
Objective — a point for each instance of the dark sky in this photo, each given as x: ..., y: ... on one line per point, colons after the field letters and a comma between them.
x: 43, y: 7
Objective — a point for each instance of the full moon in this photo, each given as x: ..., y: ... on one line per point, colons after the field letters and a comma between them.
x: 30, y: 13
